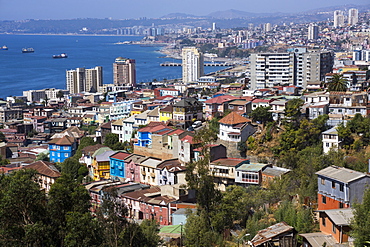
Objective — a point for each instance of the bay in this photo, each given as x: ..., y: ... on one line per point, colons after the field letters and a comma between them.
x: 25, y: 71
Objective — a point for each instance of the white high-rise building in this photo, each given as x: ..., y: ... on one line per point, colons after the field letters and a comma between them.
x: 297, y: 67
x: 338, y: 18
x: 267, y: 27
x: 313, y: 31
x: 192, y: 64
x: 84, y: 80
x: 352, y: 17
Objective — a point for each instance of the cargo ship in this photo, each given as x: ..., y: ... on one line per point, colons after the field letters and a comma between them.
x: 62, y: 55
x: 28, y: 50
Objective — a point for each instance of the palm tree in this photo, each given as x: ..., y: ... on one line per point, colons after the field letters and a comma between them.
x: 337, y: 83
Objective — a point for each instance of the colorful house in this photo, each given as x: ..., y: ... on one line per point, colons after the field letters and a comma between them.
x: 62, y: 148
x: 340, y: 187
x: 144, y: 135
x: 165, y: 114
x: 100, y: 166
x: 117, y: 165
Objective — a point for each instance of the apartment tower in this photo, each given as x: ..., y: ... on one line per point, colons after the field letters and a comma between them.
x: 124, y: 72
x: 338, y: 18
x: 313, y: 31
x: 84, y: 80
x: 192, y: 64
x: 296, y: 67
x: 352, y: 17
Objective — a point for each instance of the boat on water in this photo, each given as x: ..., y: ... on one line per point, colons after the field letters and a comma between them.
x: 4, y: 47
x: 28, y: 50
x: 123, y: 43
x: 62, y: 55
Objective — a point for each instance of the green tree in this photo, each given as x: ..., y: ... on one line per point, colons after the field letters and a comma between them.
x: 85, y: 142
x: 112, y: 141
x: 360, y: 224
x: 262, y: 114
x: 293, y: 112
x: 23, y: 218
x: 43, y: 156
x: 112, y: 216
x: 59, y: 94
x: 72, y: 167
x: 82, y: 230
x: 66, y: 197
x: 337, y: 83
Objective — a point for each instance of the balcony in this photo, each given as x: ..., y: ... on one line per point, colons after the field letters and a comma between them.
x: 143, y: 172
x: 152, y: 174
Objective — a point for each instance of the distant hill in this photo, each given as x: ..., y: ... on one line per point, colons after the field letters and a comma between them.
x: 235, y: 14
x: 178, y: 15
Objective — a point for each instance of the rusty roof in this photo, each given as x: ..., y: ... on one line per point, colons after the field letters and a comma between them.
x: 269, y: 233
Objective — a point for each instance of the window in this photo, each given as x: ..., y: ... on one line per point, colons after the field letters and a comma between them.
x: 322, y: 181
x: 323, y: 221
x: 65, y: 148
x: 341, y: 205
x: 334, y: 228
x: 333, y: 184
x: 66, y: 155
x: 341, y: 187
x: 323, y: 199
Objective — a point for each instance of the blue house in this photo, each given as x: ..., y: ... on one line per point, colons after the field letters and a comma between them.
x: 62, y: 148
x: 144, y: 135
x: 117, y: 165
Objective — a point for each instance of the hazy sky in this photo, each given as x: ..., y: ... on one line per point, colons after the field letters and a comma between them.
x: 122, y: 9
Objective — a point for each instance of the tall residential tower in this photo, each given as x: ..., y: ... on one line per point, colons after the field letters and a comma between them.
x: 124, y: 72
x: 192, y: 64
x: 84, y: 80
x: 352, y: 17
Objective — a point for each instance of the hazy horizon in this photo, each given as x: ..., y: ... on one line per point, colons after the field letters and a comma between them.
x: 120, y: 9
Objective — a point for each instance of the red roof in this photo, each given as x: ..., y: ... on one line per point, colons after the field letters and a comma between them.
x: 220, y: 99
x: 233, y: 118
x: 153, y: 128
x: 120, y: 155
x: 261, y: 100
x: 188, y: 138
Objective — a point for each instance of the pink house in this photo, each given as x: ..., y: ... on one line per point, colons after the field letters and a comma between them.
x: 132, y: 166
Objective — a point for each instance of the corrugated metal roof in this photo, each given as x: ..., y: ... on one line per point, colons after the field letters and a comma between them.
x: 317, y: 239
x: 267, y: 234
x: 275, y: 171
x: 340, y: 217
x: 342, y: 174
x: 252, y: 167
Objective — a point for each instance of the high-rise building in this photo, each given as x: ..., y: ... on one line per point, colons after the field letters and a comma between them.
x: 313, y: 31
x: 84, y: 80
x: 124, y: 72
x: 267, y: 27
x: 338, y: 18
x: 296, y: 67
x: 352, y: 17
x: 192, y: 64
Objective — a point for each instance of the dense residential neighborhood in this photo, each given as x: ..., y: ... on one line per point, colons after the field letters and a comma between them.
x: 273, y: 152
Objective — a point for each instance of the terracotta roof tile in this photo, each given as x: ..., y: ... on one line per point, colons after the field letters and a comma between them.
x: 233, y: 118
x: 44, y: 168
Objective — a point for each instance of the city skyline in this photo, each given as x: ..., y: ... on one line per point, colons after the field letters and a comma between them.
x: 116, y: 9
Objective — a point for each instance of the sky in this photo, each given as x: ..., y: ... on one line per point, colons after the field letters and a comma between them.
x: 127, y: 9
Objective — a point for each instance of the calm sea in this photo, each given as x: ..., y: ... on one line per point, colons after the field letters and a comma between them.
x: 24, y: 71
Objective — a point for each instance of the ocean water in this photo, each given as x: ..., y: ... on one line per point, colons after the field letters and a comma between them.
x: 24, y: 71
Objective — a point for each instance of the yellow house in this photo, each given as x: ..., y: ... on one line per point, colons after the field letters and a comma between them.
x: 88, y: 119
x: 165, y: 113
x: 100, y: 164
